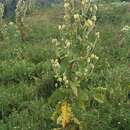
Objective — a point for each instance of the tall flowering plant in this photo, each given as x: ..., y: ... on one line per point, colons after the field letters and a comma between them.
x: 22, y: 8
x: 2, y: 24
x: 20, y: 12
x: 74, y: 51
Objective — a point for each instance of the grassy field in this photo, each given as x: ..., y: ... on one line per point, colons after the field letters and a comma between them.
x: 27, y: 92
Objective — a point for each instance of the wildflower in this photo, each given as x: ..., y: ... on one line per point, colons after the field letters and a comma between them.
x: 94, y: 18
x: 118, y: 123
x: 126, y: 28
x: 60, y: 27
x: 83, y: 2
x: 56, y: 85
x: 88, y: 23
x: 66, y: 5
x: 54, y: 40
x: 92, y: 66
x: 91, y: 9
x: 11, y: 23
x: 60, y: 79
x: 95, y: 8
x: 56, y: 61
x: 88, y: 60
x: 67, y: 42
x: 63, y: 26
x: 64, y: 78
x: 97, y: 35
x: 77, y: 17
x: 55, y: 64
x: 94, y: 57
x: 66, y: 17
x: 97, y: 58
x: 66, y: 82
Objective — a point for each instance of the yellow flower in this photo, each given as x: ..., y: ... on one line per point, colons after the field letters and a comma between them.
x: 93, y: 56
x: 66, y: 5
x: 97, y: 35
x: 77, y: 17
x: 88, y: 23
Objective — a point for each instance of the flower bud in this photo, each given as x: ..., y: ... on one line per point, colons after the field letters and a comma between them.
x: 77, y: 17
x: 66, y: 6
x: 66, y: 17
x: 92, y: 66
x: 97, y: 35
x: 88, y: 23
x: 54, y: 41
x: 94, y: 18
x: 67, y: 42
x: 88, y: 60
x: 95, y: 8
x: 11, y: 23
x: 91, y: 9
x: 60, y: 79
x: 60, y: 27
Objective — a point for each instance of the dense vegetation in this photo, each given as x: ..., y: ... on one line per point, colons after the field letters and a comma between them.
x: 30, y: 91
